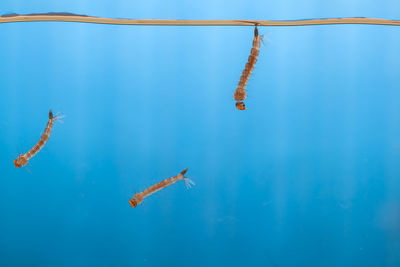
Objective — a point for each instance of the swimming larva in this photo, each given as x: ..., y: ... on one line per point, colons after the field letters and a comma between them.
x: 23, y: 159
x: 138, y: 197
x: 240, y: 92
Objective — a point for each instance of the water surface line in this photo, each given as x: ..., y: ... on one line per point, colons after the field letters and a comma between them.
x: 70, y: 17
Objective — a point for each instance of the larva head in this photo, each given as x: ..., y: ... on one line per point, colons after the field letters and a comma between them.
x: 136, y: 200
x: 20, y: 161
x: 133, y: 202
x: 240, y: 105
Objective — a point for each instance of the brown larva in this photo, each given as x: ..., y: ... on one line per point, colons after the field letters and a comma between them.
x: 240, y: 92
x: 138, y: 197
x: 23, y: 159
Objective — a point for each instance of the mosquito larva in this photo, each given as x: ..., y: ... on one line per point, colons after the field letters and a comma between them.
x: 240, y: 92
x: 23, y: 159
x: 138, y: 197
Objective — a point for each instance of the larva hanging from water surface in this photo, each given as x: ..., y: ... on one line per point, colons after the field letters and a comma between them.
x: 23, y: 159
x: 240, y: 92
x: 138, y: 197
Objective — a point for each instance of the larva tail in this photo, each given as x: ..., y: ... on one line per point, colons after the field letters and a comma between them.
x: 184, y: 171
x: 188, y: 182
x: 57, y: 117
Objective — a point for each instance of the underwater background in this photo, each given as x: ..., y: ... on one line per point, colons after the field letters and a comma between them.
x: 309, y: 175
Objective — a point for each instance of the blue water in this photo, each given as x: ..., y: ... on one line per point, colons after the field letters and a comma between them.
x: 309, y: 175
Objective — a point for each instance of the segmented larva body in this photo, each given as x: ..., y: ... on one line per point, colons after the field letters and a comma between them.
x: 138, y: 197
x: 23, y: 159
x: 240, y: 92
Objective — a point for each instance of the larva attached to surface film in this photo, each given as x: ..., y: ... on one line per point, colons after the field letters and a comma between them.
x: 240, y: 92
x: 138, y: 197
x: 23, y: 159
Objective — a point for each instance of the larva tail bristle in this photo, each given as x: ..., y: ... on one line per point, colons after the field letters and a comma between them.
x: 188, y: 182
x: 59, y: 117
x: 262, y: 39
